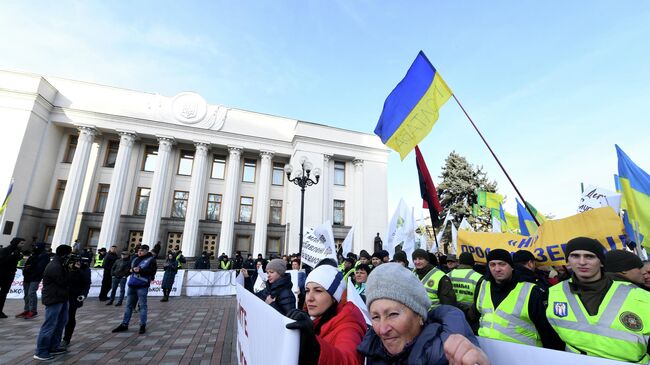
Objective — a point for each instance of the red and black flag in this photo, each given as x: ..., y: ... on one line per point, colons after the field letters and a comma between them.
x: 427, y: 189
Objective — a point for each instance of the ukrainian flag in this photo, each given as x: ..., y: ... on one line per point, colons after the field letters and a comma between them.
x: 635, y: 187
x: 527, y: 225
x: 411, y: 109
x: 6, y: 201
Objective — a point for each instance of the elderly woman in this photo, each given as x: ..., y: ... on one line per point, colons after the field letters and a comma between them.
x: 337, y: 327
x: 278, y: 293
x: 403, y: 332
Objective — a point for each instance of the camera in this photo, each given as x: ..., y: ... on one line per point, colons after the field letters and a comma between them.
x: 71, y: 259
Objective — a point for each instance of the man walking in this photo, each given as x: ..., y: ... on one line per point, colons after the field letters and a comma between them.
x: 119, y: 273
x: 143, y: 271
x: 55, y: 300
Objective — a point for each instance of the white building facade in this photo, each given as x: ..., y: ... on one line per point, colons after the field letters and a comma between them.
x: 109, y: 166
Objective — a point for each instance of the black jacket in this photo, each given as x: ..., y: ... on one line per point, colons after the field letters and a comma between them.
x: 121, y: 268
x: 9, y: 257
x: 281, y: 291
x: 55, y: 282
x: 79, y: 284
x: 202, y: 263
x: 109, y: 260
x: 427, y: 348
x: 525, y: 274
x: 35, y: 266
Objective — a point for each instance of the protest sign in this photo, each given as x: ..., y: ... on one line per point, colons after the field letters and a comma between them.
x: 595, y: 197
x: 317, y: 245
x: 503, y: 353
x: 602, y: 224
x: 261, y: 334
x: 207, y: 282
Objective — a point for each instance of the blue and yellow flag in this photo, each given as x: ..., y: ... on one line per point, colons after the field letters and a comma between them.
x: 411, y: 109
x: 527, y: 225
x: 6, y: 201
x: 635, y: 187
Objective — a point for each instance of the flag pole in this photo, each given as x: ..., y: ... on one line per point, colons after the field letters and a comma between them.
x: 497, y: 159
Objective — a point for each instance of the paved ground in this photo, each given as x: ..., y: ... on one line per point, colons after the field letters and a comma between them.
x: 185, y: 330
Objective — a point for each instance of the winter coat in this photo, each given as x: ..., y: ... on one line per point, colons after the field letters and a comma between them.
x: 148, y: 271
x: 202, y: 263
x: 281, y: 291
x: 109, y: 260
x: 427, y: 348
x: 9, y: 257
x: 79, y: 284
x: 55, y: 282
x: 35, y: 266
x: 121, y: 268
x: 171, y: 268
x: 340, y: 336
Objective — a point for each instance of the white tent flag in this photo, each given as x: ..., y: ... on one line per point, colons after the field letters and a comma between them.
x: 396, y: 230
x: 595, y: 197
x: 454, y: 238
x: 347, y: 243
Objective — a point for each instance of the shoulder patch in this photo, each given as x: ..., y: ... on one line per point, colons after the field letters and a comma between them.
x: 631, y: 321
x: 430, y: 283
x: 560, y: 309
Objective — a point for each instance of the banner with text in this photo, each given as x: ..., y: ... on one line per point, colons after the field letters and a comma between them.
x: 261, y: 334
x: 602, y: 224
x: 316, y: 246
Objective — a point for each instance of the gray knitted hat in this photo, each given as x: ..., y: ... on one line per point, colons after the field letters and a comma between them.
x: 277, y: 265
x: 395, y: 282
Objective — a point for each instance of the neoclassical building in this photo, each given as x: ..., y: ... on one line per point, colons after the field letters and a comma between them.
x: 109, y: 166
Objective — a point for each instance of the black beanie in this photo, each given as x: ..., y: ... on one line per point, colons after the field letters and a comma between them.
x: 401, y: 257
x: 621, y: 260
x: 466, y: 258
x: 500, y: 254
x: 63, y: 250
x: 377, y: 254
x: 586, y: 244
x: 365, y: 254
x: 420, y: 253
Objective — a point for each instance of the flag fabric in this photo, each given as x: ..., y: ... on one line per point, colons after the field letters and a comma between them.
x: 595, y: 197
x: 488, y: 199
x: 427, y: 189
x: 635, y: 187
x: 540, y: 217
x: 347, y: 243
x: 411, y: 109
x: 496, y: 225
x: 355, y: 298
x: 454, y: 238
x: 527, y: 225
x: 464, y: 224
x: 7, y: 197
x: 324, y: 231
x: 408, y: 245
x: 398, y: 228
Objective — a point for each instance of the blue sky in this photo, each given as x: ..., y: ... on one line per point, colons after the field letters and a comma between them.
x: 552, y: 85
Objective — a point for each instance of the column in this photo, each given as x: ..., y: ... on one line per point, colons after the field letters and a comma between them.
x: 230, y: 201
x: 158, y: 191
x: 327, y: 179
x: 194, y: 204
x: 358, y: 206
x: 111, y: 219
x: 262, y: 205
x: 72, y: 194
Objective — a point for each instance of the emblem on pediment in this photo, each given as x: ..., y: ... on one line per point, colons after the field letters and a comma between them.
x: 189, y: 108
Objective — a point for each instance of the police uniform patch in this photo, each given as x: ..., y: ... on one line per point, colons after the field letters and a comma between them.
x: 631, y: 321
x: 430, y: 283
x: 560, y: 309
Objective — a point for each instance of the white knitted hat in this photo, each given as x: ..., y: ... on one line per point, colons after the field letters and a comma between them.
x: 329, y: 278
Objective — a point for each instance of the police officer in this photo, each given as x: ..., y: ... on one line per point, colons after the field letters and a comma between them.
x: 436, y: 283
x: 510, y: 309
x: 595, y: 315
x: 99, y: 258
x: 464, y: 280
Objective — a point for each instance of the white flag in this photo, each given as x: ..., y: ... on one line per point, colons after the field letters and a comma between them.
x: 496, y: 225
x: 396, y: 228
x: 595, y: 197
x: 347, y: 243
x: 454, y: 238
x: 408, y: 245
x: 464, y: 224
x: 355, y: 298
x: 325, y: 231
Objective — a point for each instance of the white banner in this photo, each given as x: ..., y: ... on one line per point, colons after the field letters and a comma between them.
x: 316, y: 247
x: 595, y: 197
x: 503, y: 353
x: 155, y: 290
x: 206, y: 282
x: 261, y: 334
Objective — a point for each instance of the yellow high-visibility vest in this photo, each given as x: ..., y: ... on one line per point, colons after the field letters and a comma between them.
x: 430, y: 282
x: 464, y: 282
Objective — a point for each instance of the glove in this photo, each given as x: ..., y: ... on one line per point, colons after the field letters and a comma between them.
x: 309, y: 346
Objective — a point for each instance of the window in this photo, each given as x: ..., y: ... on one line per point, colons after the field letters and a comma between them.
x: 72, y: 147
x: 276, y: 212
x: 102, y: 196
x: 339, y: 173
x: 245, y: 209
x: 111, y: 153
x: 243, y: 244
x: 150, y: 158
x: 49, y: 233
x: 185, y: 163
x: 278, y: 174
x: 218, y: 167
x: 339, y: 212
x: 179, y: 205
x: 214, y: 207
x: 142, y: 201
x: 273, y: 247
x: 249, y: 171
x: 58, y: 194
x: 93, y: 238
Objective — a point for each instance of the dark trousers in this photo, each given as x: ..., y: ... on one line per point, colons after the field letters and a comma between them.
x: 72, y: 320
x: 107, y: 282
x: 5, y: 286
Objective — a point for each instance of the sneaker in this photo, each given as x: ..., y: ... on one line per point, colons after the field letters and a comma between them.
x: 118, y: 304
x: 110, y: 302
x: 2, y: 315
x: 121, y: 328
x: 58, y: 351
x: 30, y: 315
x: 65, y: 343
x: 43, y: 358
x: 21, y: 315
x: 143, y: 329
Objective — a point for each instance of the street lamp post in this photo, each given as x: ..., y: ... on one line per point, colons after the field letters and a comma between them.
x: 302, y: 178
